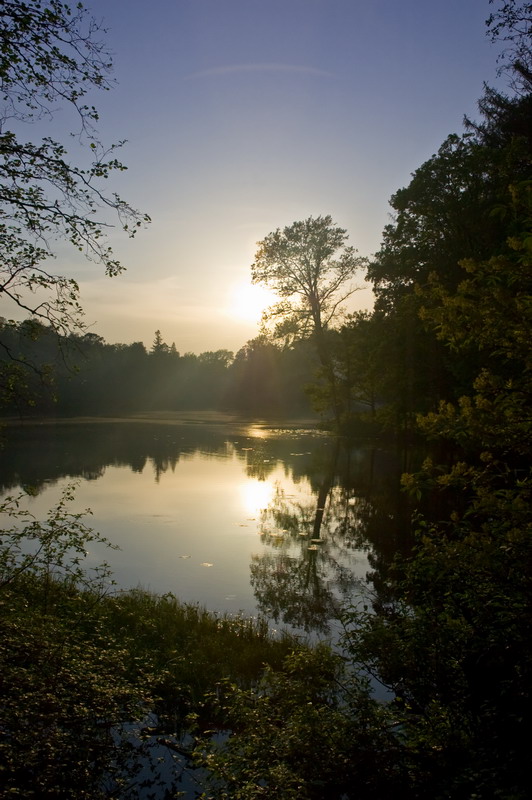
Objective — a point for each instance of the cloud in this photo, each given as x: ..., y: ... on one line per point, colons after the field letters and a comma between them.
x: 232, y: 69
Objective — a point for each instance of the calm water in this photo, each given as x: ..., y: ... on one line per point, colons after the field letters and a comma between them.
x: 237, y: 517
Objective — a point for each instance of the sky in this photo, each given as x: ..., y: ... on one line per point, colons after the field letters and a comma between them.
x: 242, y: 116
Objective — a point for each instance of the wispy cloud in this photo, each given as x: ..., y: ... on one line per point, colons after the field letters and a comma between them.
x: 232, y: 69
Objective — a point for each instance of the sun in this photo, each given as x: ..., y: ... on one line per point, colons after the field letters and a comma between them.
x: 246, y: 302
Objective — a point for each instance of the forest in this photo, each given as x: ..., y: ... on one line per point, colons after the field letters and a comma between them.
x: 444, y: 282
x: 443, y: 359
x: 82, y: 374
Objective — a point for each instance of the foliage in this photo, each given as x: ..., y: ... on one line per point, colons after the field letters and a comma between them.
x: 300, y: 734
x: 83, y: 669
x: 267, y: 380
x: 68, y: 684
x: 455, y: 650
x: 51, y: 59
x: 512, y: 23
x: 307, y: 264
x: 191, y: 649
x: 453, y: 644
x: 452, y: 639
x: 459, y: 237
x: 79, y: 375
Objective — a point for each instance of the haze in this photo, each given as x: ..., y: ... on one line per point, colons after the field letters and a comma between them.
x: 242, y: 116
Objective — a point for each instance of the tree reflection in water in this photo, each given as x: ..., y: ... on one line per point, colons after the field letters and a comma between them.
x: 302, y: 485
x: 312, y: 565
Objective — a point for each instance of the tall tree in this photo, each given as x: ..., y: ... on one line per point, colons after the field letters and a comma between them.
x: 439, y: 219
x: 308, y: 264
x: 511, y: 23
x: 51, y: 57
x: 159, y: 347
x: 459, y: 208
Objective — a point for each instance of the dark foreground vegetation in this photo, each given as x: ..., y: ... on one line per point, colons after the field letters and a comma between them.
x: 445, y: 356
x: 91, y: 679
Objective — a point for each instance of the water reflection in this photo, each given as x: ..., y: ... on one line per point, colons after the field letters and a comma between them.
x: 286, y: 523
x: 310, y: 570
x: 256, y: 495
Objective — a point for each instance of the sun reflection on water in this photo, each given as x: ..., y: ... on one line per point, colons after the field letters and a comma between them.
x: 256, y: 495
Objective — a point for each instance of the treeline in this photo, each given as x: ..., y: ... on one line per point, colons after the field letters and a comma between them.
x: 446, y: 354
x: 458, y: 242
x: 451, y: 279
x: 44, y: 373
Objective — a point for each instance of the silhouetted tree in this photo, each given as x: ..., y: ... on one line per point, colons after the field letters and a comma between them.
x: 52, y: 55
x: 308, y: 264
x: 159, y: 347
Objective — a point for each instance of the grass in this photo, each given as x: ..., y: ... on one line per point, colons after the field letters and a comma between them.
x: 191, y: 649
x: 77, y: 666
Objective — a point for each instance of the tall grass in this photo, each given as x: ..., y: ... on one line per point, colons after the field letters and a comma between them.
x: 190, y: 649
x: 80, y: 663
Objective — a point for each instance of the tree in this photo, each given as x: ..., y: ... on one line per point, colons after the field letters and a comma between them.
x: 50, y: 58
x: 453, y: 641
x: 439, y: 219
x: 459, y: 207
x: 308, y: 264
x: 159, y: 347
x: 356, y: 352
x: 512, y: 24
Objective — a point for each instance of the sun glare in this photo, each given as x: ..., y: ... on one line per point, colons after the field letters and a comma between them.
x: 247, y: 302
x: 256, y: 496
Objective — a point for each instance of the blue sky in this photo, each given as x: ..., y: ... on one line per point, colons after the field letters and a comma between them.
x: 245, y: 115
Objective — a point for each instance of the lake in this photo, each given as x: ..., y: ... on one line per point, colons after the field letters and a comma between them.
x: 279, y: 520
